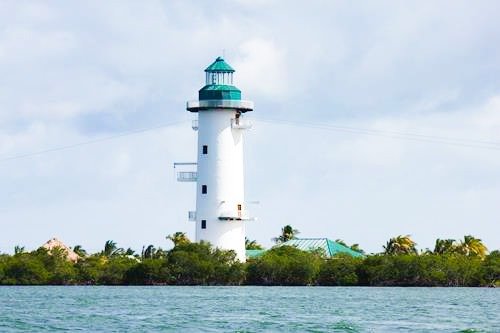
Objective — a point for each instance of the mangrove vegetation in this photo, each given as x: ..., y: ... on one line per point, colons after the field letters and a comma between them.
x: 451, y: 263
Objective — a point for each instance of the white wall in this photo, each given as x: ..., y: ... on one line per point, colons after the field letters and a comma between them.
x: 222, y: 171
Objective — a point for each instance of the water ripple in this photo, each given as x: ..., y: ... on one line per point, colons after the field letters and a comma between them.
x: 248, y: 309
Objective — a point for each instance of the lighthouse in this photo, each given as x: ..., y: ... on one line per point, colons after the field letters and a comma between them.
x: 221, y: 210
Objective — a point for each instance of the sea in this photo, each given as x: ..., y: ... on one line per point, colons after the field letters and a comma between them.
x: 247, y: 309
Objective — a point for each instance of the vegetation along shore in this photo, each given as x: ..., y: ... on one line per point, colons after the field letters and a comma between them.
x: 451, y: 263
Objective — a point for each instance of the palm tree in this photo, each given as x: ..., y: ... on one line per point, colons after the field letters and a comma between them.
x: 400, y: 245
x: 111, y: 250
x: 471, y: 246
x: 444, y: 246
x: 160, y: 253
x: 341, y: 242
x: 78, y: 249
x: 355, y: 247
x: 148, y: 252
x: 18, y: 249
x: 287, y: 233
x: 129, y: 252
x: 252, y: 245
x: 179, y: 238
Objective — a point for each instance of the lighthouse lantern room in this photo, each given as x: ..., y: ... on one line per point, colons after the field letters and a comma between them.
x: 221, y: 210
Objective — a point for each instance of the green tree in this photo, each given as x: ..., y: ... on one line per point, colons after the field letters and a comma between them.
x: 354, y: 247
x: 3, y: 260
x: 199, y: 263
x: 341, y: 242
x: 179, y: 238
x: 445, y: 246
x: 252, y: 245
x: 471, y: 246
x: 19, y: 249
x: 284, y: 265
x: 151, y: 252
x: 339, y: 271
x: 287, y: 233
x: 115, y: 269
x: 78, y: 249
x: 148, y: 272
x: 491, y: 269
x: 25, y: 269
x: 61, y: 271
x: 129, y: 252
x: 111, y: 249
x: 400, y: 245
x: 91, y: 268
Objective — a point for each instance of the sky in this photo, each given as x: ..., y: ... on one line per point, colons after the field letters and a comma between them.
x: 372, y: 119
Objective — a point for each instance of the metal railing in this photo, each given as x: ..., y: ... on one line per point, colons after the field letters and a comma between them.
x: 236, y: 216
x: 234, y: 212
x: 187, y: 176
x: 244, y: 106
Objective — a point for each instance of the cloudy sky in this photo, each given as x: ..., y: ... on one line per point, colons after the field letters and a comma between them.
x: 372, y: 119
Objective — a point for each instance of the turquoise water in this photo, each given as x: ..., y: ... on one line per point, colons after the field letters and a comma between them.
x: 248, y: 309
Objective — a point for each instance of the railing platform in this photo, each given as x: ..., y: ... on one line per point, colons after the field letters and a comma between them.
x: 243, y: 106
x: 187, y: 176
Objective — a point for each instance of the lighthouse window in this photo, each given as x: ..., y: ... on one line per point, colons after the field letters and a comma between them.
x: 203, y: 224
x: 205, y: 149
x: 203, y: 189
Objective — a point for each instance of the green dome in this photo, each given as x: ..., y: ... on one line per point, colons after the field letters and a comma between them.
x: 217, y: 91
x: 219, y: 65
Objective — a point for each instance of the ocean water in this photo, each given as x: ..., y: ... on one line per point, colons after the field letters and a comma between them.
x: 248, y: 309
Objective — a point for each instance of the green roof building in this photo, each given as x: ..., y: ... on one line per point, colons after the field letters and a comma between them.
x: 327, y: 246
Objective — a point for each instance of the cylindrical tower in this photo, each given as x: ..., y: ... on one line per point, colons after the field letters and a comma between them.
x: 221, y: 210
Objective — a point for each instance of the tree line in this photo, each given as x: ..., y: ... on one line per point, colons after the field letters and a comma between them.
x: 450, y: 263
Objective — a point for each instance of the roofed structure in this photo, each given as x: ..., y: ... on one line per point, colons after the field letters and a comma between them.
x: 252, y: 254
x: 329, y: 247
x: 56, y: 243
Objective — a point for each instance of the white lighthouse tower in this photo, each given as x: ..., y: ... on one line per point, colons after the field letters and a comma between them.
x: 221, y: 210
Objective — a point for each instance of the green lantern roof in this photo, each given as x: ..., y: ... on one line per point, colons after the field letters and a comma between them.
x: 219, y: 65
x: 219, y: 92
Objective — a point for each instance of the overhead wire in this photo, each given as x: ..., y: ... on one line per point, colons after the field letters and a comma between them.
x: 89, y: 142
x: 470, y: 143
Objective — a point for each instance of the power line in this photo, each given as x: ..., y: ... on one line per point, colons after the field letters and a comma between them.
x: 470, y: 143
x: 84, y: 143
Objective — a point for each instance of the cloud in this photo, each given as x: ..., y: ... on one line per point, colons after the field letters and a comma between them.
x: 75, y: 72
x: 262, y: 69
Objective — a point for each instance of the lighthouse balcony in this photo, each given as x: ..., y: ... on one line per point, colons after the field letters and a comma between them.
x: 202, y: 105
x: 238, y: 215
x: 238, y: 123
x: 187, y: 176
